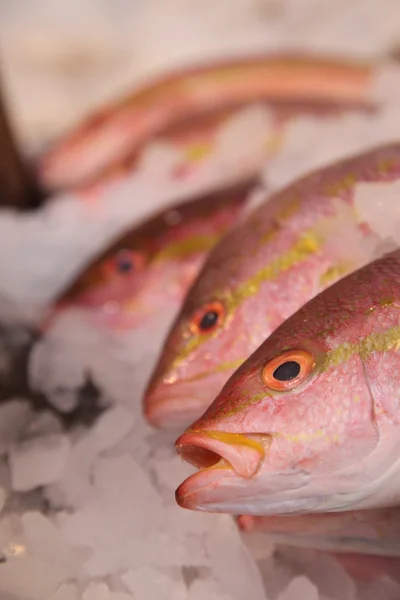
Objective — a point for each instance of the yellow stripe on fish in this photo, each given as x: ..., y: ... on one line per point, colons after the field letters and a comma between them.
x: 375, y: 342
x: 309, y: 243
x: 192, y: 245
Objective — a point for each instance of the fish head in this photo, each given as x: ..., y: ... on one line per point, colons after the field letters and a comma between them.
x: 261, y: 272
x: 211, y: 336
x: 309, y: 422
x: 147, y: 271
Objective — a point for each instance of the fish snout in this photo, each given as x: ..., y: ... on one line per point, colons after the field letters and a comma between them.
x: 244, y: 454
x: 173, y: 405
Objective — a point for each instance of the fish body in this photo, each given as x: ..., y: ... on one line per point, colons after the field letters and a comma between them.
x: 310, y: 423
x: 374, y: 532
x: 297, y: 243
x: 187, y: 108
x: 147, y: 270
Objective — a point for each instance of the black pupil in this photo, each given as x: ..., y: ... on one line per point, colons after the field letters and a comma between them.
x: 209, y: 320
x: 287, y: 371
x: 124, y: 264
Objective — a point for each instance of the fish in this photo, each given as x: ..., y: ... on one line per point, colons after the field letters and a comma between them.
x: 365, y: 542
x: 148, y: 269
x: 192, y: 103
x: 310, y: 422
x: 374, y: 532
x: 298, y: 242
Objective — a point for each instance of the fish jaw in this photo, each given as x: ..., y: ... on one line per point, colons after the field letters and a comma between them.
x: 168, y: 403
x: 232, y: 471
x: 169, y: 406
x: 220, y: 489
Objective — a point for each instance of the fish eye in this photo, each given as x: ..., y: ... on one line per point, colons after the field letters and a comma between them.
x: 125, y: 262
x: 288, y: 370
x: 207, y: 318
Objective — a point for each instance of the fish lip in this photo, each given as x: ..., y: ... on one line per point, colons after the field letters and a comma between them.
x: 187, y: 493
x: 244, y: 454
x: 219, y: 489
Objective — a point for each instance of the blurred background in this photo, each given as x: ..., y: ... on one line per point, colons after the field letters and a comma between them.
x: 62, y: 59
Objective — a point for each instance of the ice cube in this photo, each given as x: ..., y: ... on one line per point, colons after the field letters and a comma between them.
x: 171, y: 472
x: 260, y: 545
x: 204, y: 589
x: 324, y: 571
x: 66, y: 591
x: 96, y: 591
x: 377, y: 205
x: 331, y: 578
x: 146, y: 582
x: 3, y: 496
x: 43, y: 423
x: 30, y: 578
x: 38, y: 461
x: 55, y: 370
x: 302, y: 151
x: 12, y: 537
x: 186, y: 522
x: 100, y: 591
x: 14, y: 417
x: 76, y: 346
x: 45, y: 541
x: 231, y: 562
x: 276, y: 575
x: 75, y: 486
x: 130, y: 511
x: 121, y: 481
x: 300, y: 587
x: 110, y: 428
x: 160, y: 550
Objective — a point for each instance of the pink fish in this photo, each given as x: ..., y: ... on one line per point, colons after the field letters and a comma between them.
x: 310, y: 422
x: 149, y: 269
x: 297, y: 243
x: 375, y: 531
x: 193, y: 103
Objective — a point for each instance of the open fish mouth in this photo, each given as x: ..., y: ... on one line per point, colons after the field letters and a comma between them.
x: 243, y: 453
x: 234, y: 458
